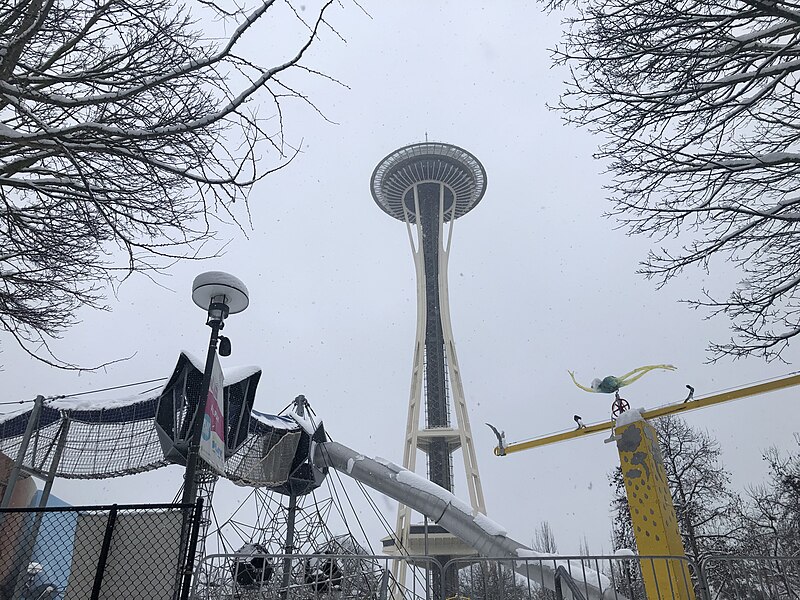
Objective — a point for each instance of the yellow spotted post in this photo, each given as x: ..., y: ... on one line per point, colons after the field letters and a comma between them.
x: 652, y: 512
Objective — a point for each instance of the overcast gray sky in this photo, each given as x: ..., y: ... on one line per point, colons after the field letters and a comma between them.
x: 539, y: 281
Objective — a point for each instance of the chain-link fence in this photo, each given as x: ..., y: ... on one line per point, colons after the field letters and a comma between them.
x: 130, y: 552
x: 249, y: 574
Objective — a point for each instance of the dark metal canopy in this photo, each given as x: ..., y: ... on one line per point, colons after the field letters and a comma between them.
x: 111, y: 438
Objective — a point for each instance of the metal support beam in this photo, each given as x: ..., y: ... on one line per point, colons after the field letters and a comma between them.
x: 33, y: 420
x: 102, y: 560
x: 669, y: 409
x: 51, y: 474
x: 288, y: 549
x: 190, y: 477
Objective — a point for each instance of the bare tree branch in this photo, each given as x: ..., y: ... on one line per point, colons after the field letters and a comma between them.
x: 699, y: 107
x: 124, y: 130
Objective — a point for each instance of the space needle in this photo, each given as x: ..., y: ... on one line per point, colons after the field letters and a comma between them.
x: 428, y: 186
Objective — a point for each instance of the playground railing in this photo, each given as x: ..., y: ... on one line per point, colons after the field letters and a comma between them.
x: 752, y: 577
x: 248, y: 574
x: 576, y: 578
x: 372, y: 577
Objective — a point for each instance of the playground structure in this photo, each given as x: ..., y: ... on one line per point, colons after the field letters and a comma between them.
x: 276, y: 454
x: 653, y: 517
x: 279, y: 449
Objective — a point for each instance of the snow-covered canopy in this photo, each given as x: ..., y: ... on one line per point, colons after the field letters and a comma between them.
x: 110, y: 437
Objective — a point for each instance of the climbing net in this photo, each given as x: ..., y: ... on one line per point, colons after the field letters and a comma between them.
x: 257, y: 556
x: 110, y: 440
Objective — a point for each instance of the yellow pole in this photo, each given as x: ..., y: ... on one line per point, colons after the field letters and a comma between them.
x: 655, y: 524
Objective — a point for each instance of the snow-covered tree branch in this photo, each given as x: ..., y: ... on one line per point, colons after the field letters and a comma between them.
x: 698, y: 102
x: 126, y: 128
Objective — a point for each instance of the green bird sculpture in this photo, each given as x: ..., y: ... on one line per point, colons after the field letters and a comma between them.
x: 611, y: 384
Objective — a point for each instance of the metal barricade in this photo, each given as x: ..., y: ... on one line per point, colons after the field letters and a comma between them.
x: 752, y: 577
x: 574, y: 577
x: 254, y: 576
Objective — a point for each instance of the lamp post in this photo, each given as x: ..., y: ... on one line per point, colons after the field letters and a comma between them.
x: 220, y: 294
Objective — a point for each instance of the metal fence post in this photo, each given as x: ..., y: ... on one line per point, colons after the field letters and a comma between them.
x: 103, y: 558
x: 384, y: 589
x: 190, y: 554
x: 702, y: 582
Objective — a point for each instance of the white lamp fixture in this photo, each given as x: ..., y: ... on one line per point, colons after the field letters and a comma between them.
x: 220, y: 294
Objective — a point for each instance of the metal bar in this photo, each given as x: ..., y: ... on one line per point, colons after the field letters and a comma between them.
x: 384, y: 590
x: 51, y: 475
x: 762, y: 581
x: 190, y: 483
x: 556, y: 437
x: 33, y: 419
x: 613, y: 577
x: 563, y: 574
x: 189, y: 570
x: 670, y: 409
x: 471, y: 576
x: 190, y: 475
x: 103, y: 558
x: 289, y: 548
x: 700, y: 571
x: 94, y: 507
x: 654, y: 579
x: 30, y: 539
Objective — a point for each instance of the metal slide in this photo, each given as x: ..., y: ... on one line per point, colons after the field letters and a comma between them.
x: 485, y: 536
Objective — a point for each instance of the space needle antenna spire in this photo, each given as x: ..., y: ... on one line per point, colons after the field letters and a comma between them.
x: 428, y: 186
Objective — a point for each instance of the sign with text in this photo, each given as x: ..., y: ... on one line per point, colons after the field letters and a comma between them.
x: 212, y: 441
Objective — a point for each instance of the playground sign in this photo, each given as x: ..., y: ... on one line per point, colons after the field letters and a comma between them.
x: 212, y: 440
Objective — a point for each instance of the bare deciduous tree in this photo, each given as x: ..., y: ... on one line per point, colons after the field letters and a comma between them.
x: 772, y: 515
x: 699, y: 105
x: 544, y: 540
x: 125, y: 129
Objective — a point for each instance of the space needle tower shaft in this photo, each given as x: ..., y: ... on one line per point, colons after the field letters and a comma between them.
x: 428, y: 186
